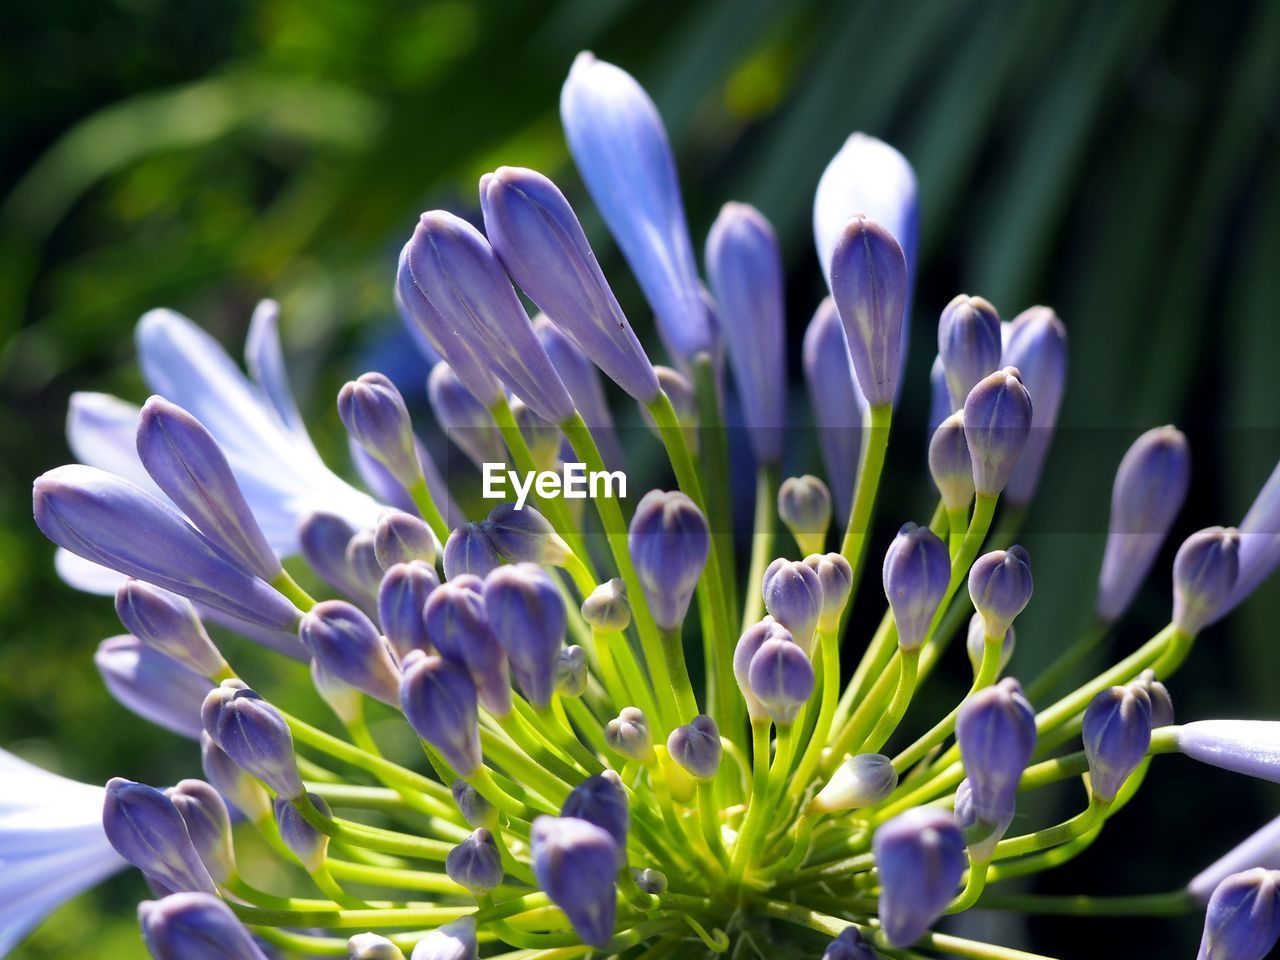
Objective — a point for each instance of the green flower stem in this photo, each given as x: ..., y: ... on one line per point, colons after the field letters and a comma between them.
x: 1061, y: 833
x: 678, y: 670
x: 420, y: 493
x: 585, y: 720
x: 1067, y: 661
x: 510, y: 864
x: 554, y: 720
x: 676, y: 828
x: 354, y: 795
x: 973, y: 887
x: 375, y: 838
x: 396, y: 878
x: 801, y: 842
x: 764, y: 527
x: 615, y: 527
x: 1171, y: 904
x: 426, y: 915
x: 609, y: 646
x: 362, y: 738
x: 1052, y: 771
x: 391, y: 774
x: 723, y: 701
x: 715, y: 461
x: 303, y: 944
x: 883, y: 645
x: 294, y: 593
x: 330, y: 887
x: 311, y: 770
x: 241, y: 888
x: 744, y: 849
x: 828, y: 644
x: 858, y: 531
x: 709, y: 815
x: 535, y: 742
x: 889, y: 720
x: 553, y: 508
x: 550, y: 791
x: 488, y: 788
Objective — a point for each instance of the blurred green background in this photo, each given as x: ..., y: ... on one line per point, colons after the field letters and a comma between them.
x: 1118, y: 161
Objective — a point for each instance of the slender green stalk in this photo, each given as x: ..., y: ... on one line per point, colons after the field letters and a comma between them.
x: 762, y: 539
x: 1061, y: 833
x: 1171, y: 904
x: 426, y: 504
x: 715, y: 461
x: 294, y: 593
x: 829, y: 646
x: 744, y: 848
x: 890, y: 719
x: 858, y: 530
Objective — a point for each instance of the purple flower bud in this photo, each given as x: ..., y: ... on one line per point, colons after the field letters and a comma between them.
x: 861, y: 781
x: 453, y: 941
x: 976, y: 644
x: 439, y: 701
x: 541, y: 243
x: 571, y: 672
x: 1116, y: 733
x: 835, y: 575
x: 607, y: 608
x: 968, y: 344
x: 1149, y: 490
x: 628, y: 735
x: 749, y: 644
x: 869, y: 285
x: 939, y: 400
x: 195, y: 926
x: 669, y: 542
x: 804, y: 505
x: 996, y: 732
x: 542, y: 435
x: 361, y: 557
x: 475, y: 863
x: 168, y: 623
x: 696, y: 747
x: 402, y: 538
x: 188, y: 465
x: 145, y: 828
x: 1260, y: 543
x: 1251, y: 747
x: 523, y: 535
x: 849, y: 946
x: 459, y: 275
x: 346, y: 702
x: 917, y: 572
x: 323, y: 538
x: 456, y: 622
x: 244, y: 792
x: 1000, y: 588
x: 208, y: 825
x: 582, y: 380
x: 982, y: 836
x: 475, y: 809
x: 997, y: 421
x: 253, y: 734
x: 1158, y: 694
x: 154, y: 686
x: 349, y: 648
x: 1259, y: 849
x: 527, y: 614
x: 371, y: 946
x: 744, y: 267
x: 836, y: 402
x: 602, y: 800
x: 650, y: 880
x: 1037, y: 345
x: 103, y: 518
x: 375, y: 415
x: 950, y: 465
x: 401, y: 599
x: 781, y: 678
x: 576, y: 863
x: 1205, y: 571
x: 621, y: 150
x: 920, y: 855
x: 469, y: 550
x: 1243, y: 918
x: 793, y: 596
x: 464, y: 419
x: 304, y: 841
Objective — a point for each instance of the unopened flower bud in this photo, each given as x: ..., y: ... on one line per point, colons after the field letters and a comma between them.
x: 527, y: 614
x: 469, y: 550
x: 606, y: 608
x: 375, y: 415
x: 1204, y: 576
x: 1000, y: 588
x: 361, y: 557
x: 804, y: 505
x: 153, y: 685
x: 601, y: 800
x: 996, y: 733
x: 194, y: 926
x: 168, y: 623
x: 669, y: 541
x: 525, y: 535
x: 916, y: 574
x: 836, y: 578
x: 458, y: 626
x: 836, y: 402
x: 402, y: 597
x: 349, y: 648
x: 920, y: 855
x: 628, y: 735
x: 346, y: 702
x: 232, y: 782
x: 696, y: 747
x: 323, y: 539
x: 1243, y: 918
x: 1260, y: 849
x: 253, y: 734
x: 1158, y: 694
x: 861, y: 781
x: 439, y: 700
x: 749, y: 644
x: 968, y: 344
x: 304, y: 841
x: 976, y: 644
x: 869, y: 285
x: 982, y: 835
x: 849, y: 946
x: 576, y: 863
x: 571, y: 672
x: 950, y: 464
x: 793, y: 596
x: 475, y: 863
x: 208, y: 825
x: 1116, y: 733
x: 145, y: 828
x: 650, y: 880
x: 464, y: 419
x: 402, y: 538
x: 475, y: 809
x: 1251, y: 747
x: 453, y: 941
x: 781, y: 678
x: 542, y: 435
x: 371, y: 946
x: 1036, y: 343
x: 997, y: 421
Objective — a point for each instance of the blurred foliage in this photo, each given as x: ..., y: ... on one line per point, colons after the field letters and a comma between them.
x: 1116, y: 160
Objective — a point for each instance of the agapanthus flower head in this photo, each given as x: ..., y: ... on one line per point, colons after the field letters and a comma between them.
x: 475, y: 862
x: 208, y: 825
x: 793, y: 596
x: 607, y: 608
x: 976, y: 643
x: 921, y: 856
x: 439, y: 701
x: 401, y: 537
x: 1035, y: 343
x: 1204, y: 577
x: 950, y: 464
x: 349, y: 647
x: 996, y: 733
x: 147, y: 830
x: 628, y: 735
x: 523, y: 535
x: 576, y: 863
x: 254, y: 734
x: 669, y: 541
x: 969, y: 344
x: 469, y: 550
x: 835, y: 575
x: 861, y: 781
x: 527, y: 614
x: 781, y: 678
x: 152, y: 684
x: 916, y: 574
x: 1116, y: 732
x: 1000, y: 587
x: 601, y: 800
x: 696, y: 747
x: 402, y: 597
x: 997, y: 422
x: 749, y: 644
x: 304, y: 841
x: 1243, y: 918
x: 804, y: 505
x: 195, y: 926
x: 371, y: 946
